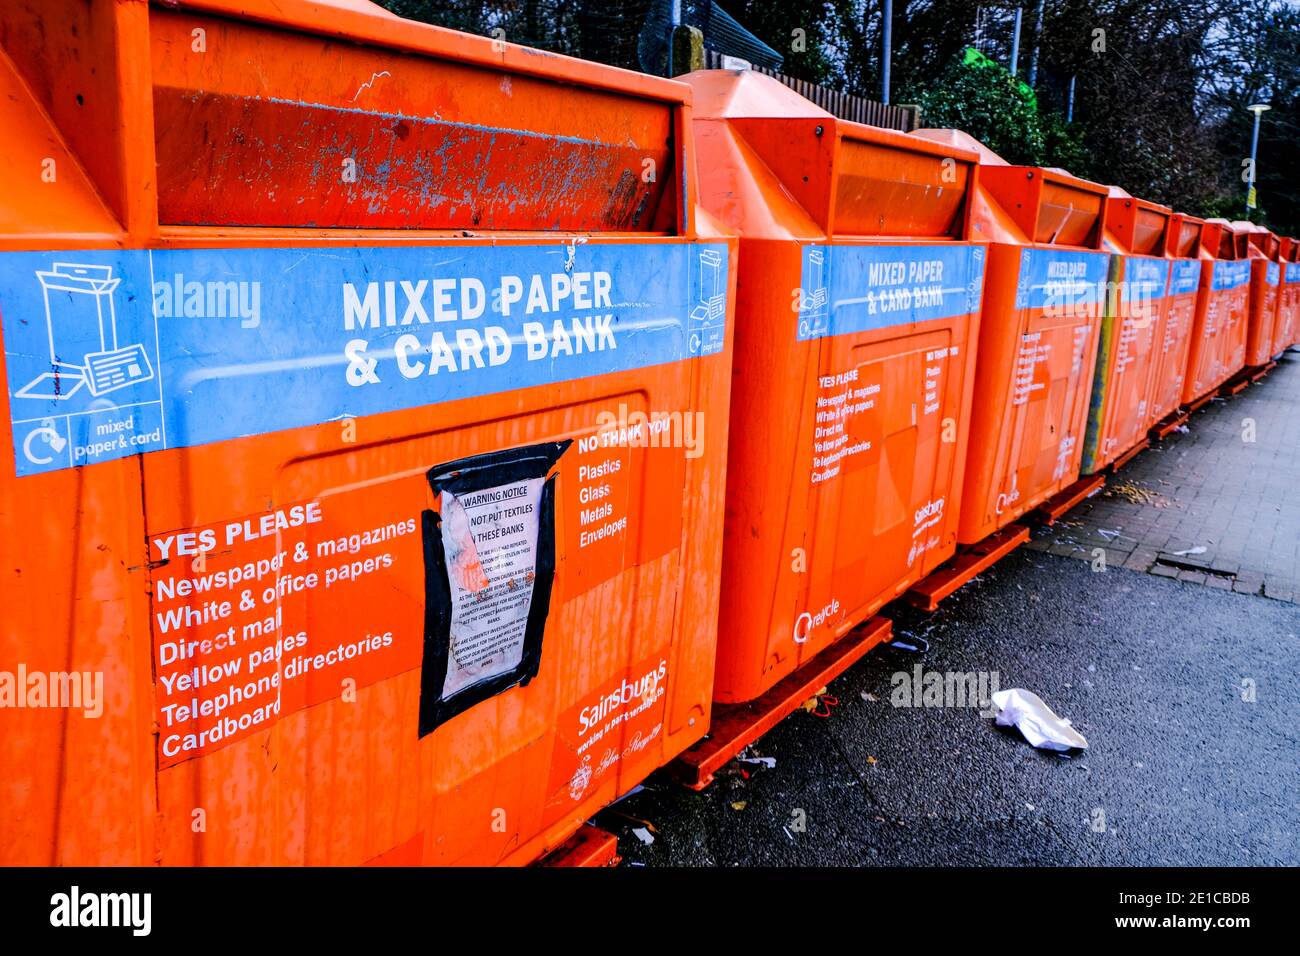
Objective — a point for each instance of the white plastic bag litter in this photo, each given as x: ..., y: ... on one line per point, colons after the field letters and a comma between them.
x: 1020, y: 708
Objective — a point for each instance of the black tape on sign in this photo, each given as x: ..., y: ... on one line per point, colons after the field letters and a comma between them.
x: 484, y: 481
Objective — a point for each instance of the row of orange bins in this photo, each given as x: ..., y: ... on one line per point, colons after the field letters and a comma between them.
x: 410, y: 456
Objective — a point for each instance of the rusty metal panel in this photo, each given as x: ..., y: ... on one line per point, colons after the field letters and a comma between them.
x: 370, y: 138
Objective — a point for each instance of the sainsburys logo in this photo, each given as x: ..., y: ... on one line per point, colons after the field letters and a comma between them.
x: 643, y: 688
x: 930, y: 510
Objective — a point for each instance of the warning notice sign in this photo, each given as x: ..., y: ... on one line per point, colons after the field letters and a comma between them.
x: 490, y: 565
x: 490, y: 539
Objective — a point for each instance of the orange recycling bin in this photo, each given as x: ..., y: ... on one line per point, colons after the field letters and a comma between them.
x: 1219, y: 333
x: 856, y: 316
x: 1038, y: 336
x: 1287, y: 332
x: 1132, y: 322
x: 1263, y: 248
x: 1174, y: 329
x: 367, y: 432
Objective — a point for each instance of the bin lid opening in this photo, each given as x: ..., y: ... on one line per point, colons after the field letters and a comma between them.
x: 1211, y: 234
x: 1231, y: 240
x: 1044, y: 206
x: 1260, y: 241
x: 891, y: 184
x: 406, y: 135
x: 1025, y: 204
x: 1183, y: 237
x: 1140, y: 226
x: 851, y: 179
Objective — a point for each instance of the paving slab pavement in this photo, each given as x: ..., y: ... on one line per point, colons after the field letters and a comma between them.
x: 1218, y: 505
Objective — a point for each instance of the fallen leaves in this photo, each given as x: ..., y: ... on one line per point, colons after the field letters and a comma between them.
x: 1135, y: 494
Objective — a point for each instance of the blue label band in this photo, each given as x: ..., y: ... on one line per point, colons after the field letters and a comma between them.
x: 857, y: 288
x: 1293, y: 272
x: 1145, y: 278
x: 1062, y: 282
x: 110, y: 353
x: 1273, y: 274
x: 1185, y: 276
x: 1228, y: 274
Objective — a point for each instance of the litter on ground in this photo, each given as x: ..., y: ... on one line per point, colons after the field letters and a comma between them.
x: 1038, y: 723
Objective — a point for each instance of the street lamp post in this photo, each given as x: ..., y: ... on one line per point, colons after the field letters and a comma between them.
x: 886, y: 49
x: 1015, y: 43
x: 1259, y: 109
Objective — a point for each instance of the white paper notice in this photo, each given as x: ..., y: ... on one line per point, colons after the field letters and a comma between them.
x: 490, y: 540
